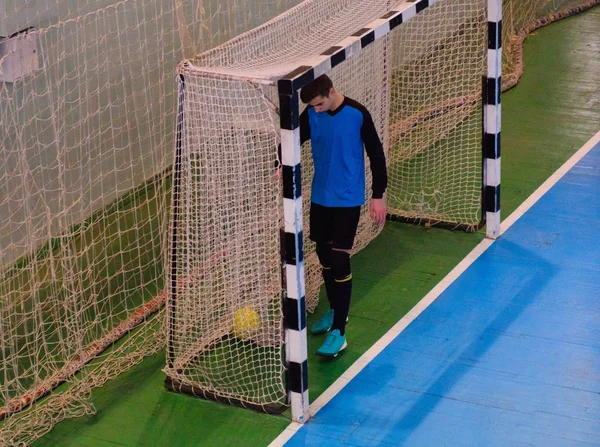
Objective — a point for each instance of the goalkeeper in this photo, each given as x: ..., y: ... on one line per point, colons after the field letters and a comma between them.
x: 339, y: 128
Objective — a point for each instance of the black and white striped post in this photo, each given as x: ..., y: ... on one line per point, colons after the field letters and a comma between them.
x: 492, y: 91
x: 294, y: 306
x: 294, y: 302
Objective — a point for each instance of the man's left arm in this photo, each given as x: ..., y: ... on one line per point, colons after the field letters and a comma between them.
x: 376, y: 156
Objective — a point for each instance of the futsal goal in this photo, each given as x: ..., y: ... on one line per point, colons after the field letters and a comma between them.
x: 429, y: 73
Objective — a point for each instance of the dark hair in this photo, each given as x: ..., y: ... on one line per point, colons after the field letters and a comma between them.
x: 318, y: 87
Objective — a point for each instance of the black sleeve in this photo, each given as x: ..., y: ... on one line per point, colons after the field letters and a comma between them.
x: 375, y: 153
x: 304, y: 127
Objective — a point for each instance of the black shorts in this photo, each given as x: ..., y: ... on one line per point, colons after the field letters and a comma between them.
x: 334, y: 224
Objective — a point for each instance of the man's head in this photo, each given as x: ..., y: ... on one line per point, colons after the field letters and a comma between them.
x: 319, y: 93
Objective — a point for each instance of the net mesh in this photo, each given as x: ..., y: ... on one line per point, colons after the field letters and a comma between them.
x: 231, y: 128
x: 87, y: 134
x: 522, y: 18
x: 86, y: 140
x: 435, y: 117
x: 228, y: 258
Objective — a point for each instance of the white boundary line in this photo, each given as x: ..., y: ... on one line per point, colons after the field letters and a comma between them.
x: 552, y: 180
x: 368, y: 356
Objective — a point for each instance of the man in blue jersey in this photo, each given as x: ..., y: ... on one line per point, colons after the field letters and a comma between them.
x: 339, y: 128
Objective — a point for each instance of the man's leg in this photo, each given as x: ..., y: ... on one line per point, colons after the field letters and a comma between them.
x: 344, y: 230
x: 324, y: 252
x: 345, y: 224
x: 342, y: 274
x: 321, y: 233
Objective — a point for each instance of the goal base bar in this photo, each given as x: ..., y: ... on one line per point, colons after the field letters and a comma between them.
x: 178, y: 387
x: 421, y: 221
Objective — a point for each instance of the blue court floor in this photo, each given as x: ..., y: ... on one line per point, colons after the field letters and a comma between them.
x: 508, y: 355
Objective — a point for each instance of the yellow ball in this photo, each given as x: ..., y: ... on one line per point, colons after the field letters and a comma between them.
x: 246, y: 323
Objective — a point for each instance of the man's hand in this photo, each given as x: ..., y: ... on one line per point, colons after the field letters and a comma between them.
x: 378, y: 211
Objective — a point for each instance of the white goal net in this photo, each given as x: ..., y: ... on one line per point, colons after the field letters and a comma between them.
x: 422, y: 85
x: 87, y: 104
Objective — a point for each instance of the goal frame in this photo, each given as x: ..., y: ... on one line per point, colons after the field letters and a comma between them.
x: 292, y: 234
x: 288, y: 89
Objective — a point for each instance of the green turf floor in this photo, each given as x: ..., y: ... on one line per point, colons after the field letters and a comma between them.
x: 545, y: 119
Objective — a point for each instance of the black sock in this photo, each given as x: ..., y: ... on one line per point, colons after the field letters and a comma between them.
x: 343, y: 292
x: 329, y: 286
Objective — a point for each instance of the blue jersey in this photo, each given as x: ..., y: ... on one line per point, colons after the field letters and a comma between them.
x: 338, y: 138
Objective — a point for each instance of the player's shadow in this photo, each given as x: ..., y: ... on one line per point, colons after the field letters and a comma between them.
x: 395, y: 270
x: 535, y: 275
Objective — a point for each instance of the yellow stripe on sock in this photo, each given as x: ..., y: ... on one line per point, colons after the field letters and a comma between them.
x: 345, y: 279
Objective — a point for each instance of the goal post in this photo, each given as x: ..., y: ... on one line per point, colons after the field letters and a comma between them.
x: 418, y: 67
x: 491, y: 94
